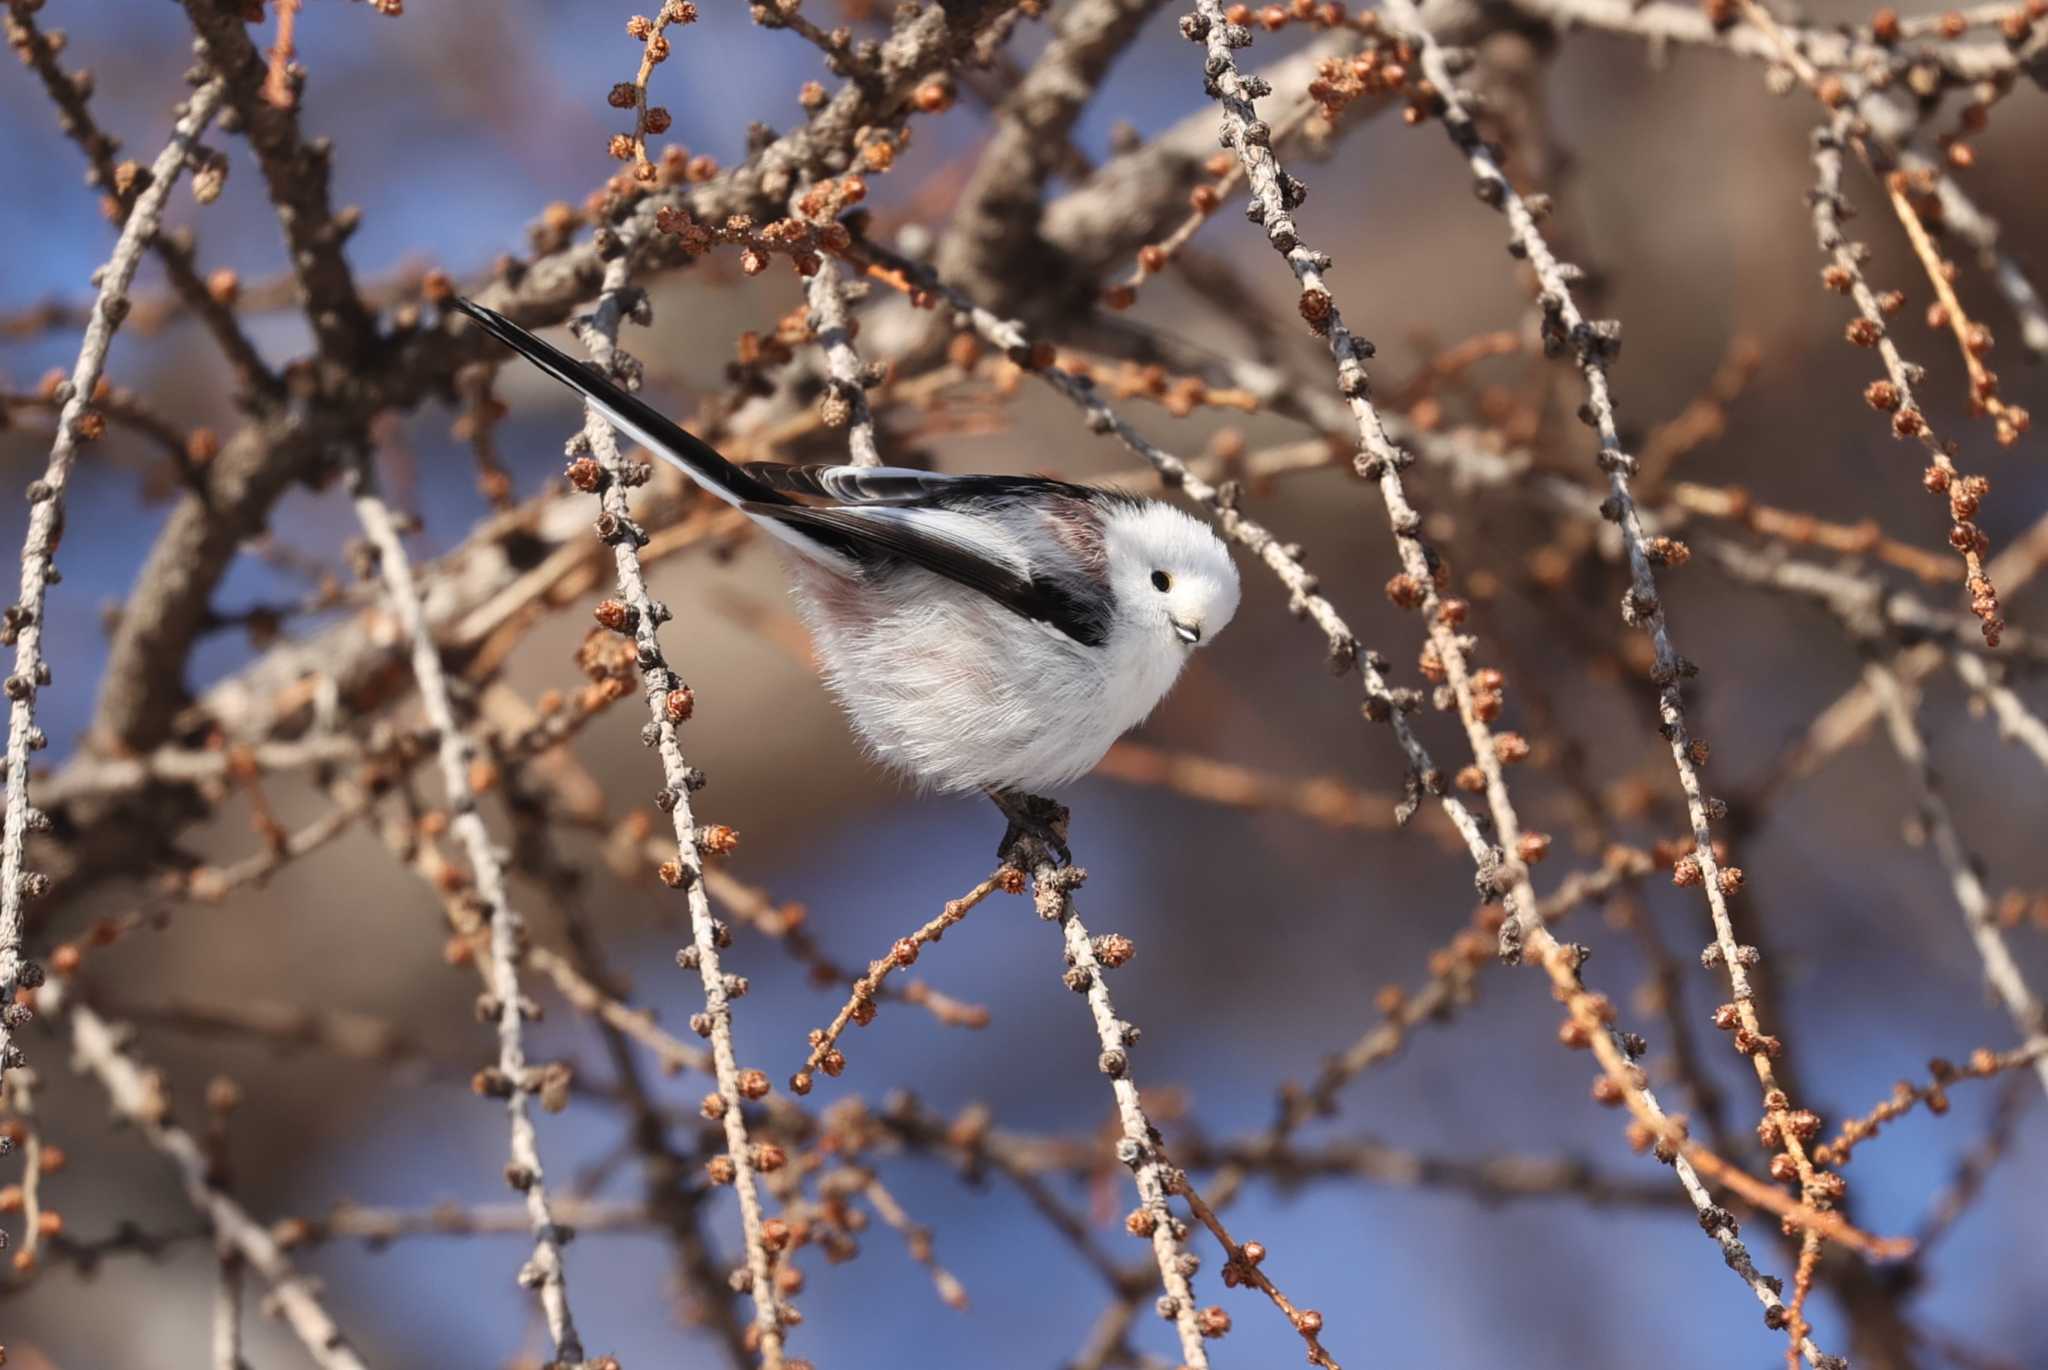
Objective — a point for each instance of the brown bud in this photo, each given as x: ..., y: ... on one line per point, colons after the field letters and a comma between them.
x: 1405, y: 591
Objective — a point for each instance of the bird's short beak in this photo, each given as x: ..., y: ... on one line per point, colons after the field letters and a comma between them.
x: 1188, y: 632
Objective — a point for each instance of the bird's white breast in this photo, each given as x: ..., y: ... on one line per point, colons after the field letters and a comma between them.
x: 959, y: 693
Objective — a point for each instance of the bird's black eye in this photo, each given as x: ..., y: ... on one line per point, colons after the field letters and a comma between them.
x: 1161, y: 581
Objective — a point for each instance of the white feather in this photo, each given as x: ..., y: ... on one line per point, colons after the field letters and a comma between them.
x: 959, y: 693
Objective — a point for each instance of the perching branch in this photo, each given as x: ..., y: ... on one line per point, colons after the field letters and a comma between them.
x: 1052, y: 891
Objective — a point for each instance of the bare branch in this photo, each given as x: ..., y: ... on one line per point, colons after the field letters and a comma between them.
x: 669, y: 703
x: 26, y: 618
x: 1052, y: 886
x: 860, y: 1005
x: 2028, y: 1016
x: 994, y: 246
x: 508, y: 1007
x: 137, y: 1094
x: 845, y: 403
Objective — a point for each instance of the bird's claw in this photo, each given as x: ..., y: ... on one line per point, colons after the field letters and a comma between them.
x: 1032, y: 821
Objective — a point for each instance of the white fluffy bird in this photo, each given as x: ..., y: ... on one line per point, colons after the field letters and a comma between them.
x: 981, y: 632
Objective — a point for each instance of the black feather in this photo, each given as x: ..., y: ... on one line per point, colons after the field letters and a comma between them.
x: 640, y: 419
x: 1079, y: 611
x: 1074, y: 605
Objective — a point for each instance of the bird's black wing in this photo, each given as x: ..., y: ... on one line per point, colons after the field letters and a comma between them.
x: 895, y: 532
x: 874, y: 518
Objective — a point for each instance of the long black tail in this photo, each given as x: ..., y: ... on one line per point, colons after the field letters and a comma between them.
x: 631, y: 415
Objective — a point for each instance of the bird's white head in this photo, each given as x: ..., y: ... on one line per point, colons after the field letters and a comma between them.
x: 1170, y: 573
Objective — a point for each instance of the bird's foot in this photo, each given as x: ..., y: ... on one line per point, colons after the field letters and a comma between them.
x: 1033, y: 821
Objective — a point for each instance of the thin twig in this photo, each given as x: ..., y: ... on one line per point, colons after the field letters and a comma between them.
x: 138, y: 1095
x: 1909, y: 417
x: 1849, y: 718
x: 1241, y: 1266
x: 26, y: 617
x: 1895, y: 705
x: 2016, y: 722
x: 1972, y: 339
x: 1962, y: 216
x: 227, y: 1310
x: 1594, y: 346
x: 1967, y: 1180
x: 380, y: 1226
x: 18, y: 1093
x: 846, y: 400
x: 457, y: 755
x: 1981, y: 1064
x: 860, y: 1004
x: 917, y: 1239
x: 673, y: 1054
x: 788, y: 924
x: 669, y: 702
x: 1138, y: 1148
